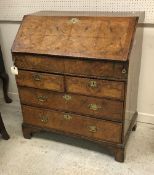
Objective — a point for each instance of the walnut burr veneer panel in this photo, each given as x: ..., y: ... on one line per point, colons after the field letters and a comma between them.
x: 90, y: 37
x: 76, y: 124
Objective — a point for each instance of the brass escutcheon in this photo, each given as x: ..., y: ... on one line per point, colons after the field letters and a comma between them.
x: 94, y: 107
x: 74, y: 20
x: 67, y: 117
x: 42, y: 98
x: 43, y: 118
x: 124, y: 71
x: 67, y: 97
x: 36, y: 77
x: 93, y: 84
x: 92, y: 128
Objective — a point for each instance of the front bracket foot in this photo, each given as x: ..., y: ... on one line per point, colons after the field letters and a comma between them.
x: 119, y: 154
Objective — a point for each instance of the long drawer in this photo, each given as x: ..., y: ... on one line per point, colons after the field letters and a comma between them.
x: 94, y: 87
x: 95, y: 107
x: 72, y: 123
x: 40, y: 80
x: 78, y: 67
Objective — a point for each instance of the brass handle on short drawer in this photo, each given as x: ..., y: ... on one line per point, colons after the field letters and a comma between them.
x: 42, y: 98
x: 94, y: 107
x: 36, y: 77
x: 67, y: 117
x: 92, y: 128
x: 93, y: 84
x: 67, y: 97
x: 44, y: 119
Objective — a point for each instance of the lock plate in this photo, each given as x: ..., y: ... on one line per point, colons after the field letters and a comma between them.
x: 94, y: 107
x: 92, y: 128
x: 67, y: 117
x: 67, y: 97
x: 74, y: 20
x: 93, y: 84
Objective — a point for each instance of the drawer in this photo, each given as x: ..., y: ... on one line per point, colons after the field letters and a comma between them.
x: 95, y: 107
x: 94, y: 87
x: 97, y: 68
x: 92, y: 68
x: 39, y: 63
x: 40, y: 80
x: 71, y: 123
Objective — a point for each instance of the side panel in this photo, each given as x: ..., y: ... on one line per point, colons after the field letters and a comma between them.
x: 133, y: 79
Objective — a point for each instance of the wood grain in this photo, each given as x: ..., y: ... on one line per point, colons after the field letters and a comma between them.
x: 107, y: 109
x: 76, y: 124
x: 94, y: 87
x: 99, y: 69
x: 82, y: 67
x: 38, y: 63
x: 40, y: 80
x: 89, y: 37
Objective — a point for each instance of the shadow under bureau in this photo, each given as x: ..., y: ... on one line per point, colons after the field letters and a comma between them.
x: 79, y: 76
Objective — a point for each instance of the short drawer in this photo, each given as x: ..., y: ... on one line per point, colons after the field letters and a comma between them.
x: 40, y: 80
x: 91, y: 106
x: 80, y: 67
x: 71, y: 123
x: 94, y: 87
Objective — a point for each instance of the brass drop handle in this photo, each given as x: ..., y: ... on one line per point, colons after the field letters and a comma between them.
x: 94, y: 107
x: 67, y: 97
x: 42, y: 98
x: 92, y: 128
x: 36, y: 77
x: 43, y: 118
x: 92, y: 84
x: 67, y: 117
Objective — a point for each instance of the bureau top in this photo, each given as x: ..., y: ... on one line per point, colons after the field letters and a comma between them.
x: 104, y: 38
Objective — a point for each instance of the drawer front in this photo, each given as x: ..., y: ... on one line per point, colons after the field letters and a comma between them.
x: 39, y: 63
x: 95, y: 107
x: 71, y: 123
x: 80, y: 67
x: 94, y: 87
x: 95, y: 68
x: 40, y: 80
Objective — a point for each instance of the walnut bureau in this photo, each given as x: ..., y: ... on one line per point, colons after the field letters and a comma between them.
x: 78, y: 75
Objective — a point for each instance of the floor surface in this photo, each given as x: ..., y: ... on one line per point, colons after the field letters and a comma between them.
x: 51, y: 154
